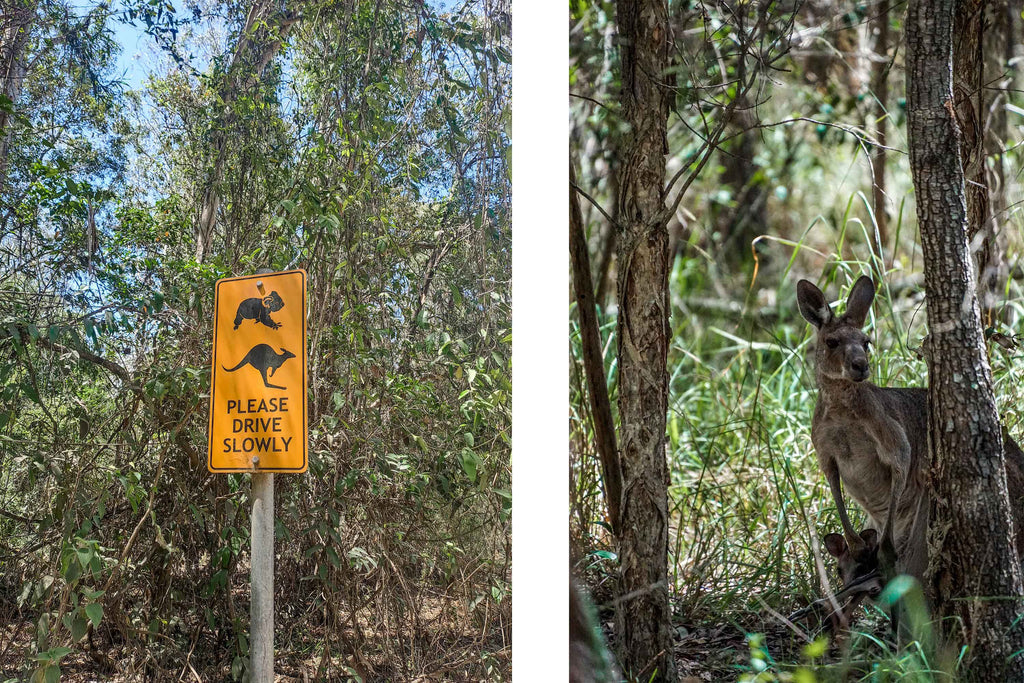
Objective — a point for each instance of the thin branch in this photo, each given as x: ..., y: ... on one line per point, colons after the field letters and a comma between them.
x: 590, y: 99
x: 596, y: 205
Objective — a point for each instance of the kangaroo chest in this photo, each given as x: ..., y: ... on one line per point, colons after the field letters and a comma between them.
x: 855, y: 454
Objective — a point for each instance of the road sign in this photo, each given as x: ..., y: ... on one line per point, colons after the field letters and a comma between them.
x: 258, y: 419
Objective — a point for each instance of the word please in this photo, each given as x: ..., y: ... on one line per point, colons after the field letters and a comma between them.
x: 271, y: 405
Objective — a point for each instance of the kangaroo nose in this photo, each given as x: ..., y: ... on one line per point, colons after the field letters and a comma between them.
x: 860, y: 365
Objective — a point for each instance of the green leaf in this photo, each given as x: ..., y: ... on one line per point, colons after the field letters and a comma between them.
x: 54, y: 654
x: 816, y: 648
x: 78, y: 628
x: 470, y: 462
x: 468, y: 438
x: 15, y: 335
x: 30, y: 390
x: 896, y: 590
x: 94, y: 611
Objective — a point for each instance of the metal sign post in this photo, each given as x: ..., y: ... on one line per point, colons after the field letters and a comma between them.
x: 261, y: 611
x: 258, y: 417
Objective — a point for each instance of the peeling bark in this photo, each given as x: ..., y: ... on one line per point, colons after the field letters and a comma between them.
x: 969, y: 99
x: 643, y: 616
x: 880, y: 88
x: 15, y: 30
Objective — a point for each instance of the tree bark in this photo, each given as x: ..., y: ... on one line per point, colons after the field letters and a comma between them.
x: 971, y: 554
x: 264, y: 31
x: 15, y: 30
x: 972, y: 116
x: 998, y: 49
x: 593, y: 361
x: 880, y: 87
x: 643, y: 616
x: 604, y: 266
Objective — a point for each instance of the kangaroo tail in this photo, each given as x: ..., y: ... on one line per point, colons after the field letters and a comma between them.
x: 244, y: 361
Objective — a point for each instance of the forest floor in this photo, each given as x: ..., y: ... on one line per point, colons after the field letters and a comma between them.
x: 724, y: 648
x: 296, y: 662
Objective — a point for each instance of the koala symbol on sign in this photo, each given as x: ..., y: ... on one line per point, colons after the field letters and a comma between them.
x: 259, y: 310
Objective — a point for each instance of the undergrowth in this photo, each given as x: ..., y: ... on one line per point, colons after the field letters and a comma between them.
x: 747, y: 503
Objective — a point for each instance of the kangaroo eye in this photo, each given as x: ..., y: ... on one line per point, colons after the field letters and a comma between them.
x: 866, y: 344
x: 832, y: 343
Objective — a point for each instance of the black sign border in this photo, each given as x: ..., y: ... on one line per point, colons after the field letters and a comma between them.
x: 305, y: 384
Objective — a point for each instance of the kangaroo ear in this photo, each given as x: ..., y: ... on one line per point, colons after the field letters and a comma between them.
x: 813, y: 306
x: 835, y: 544
x: 859, y: 303
x: 870, y: 537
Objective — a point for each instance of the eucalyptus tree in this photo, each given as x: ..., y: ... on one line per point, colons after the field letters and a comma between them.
x: 365, y: 142
x: 971, y: 554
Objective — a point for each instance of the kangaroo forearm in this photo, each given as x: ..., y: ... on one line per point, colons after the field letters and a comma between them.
x: 837, y: 495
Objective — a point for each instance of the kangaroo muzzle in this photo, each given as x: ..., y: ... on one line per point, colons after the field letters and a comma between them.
x: 857, y: 368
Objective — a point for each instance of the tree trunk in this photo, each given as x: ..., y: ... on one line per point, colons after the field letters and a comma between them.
x: 611, y: 157
x: 972, y: 116
x: 643, y: 616
x: 264, y: 31
x: 593, y: 362
x: 998, y: 48
x: 880, y: 87
x: 15, y: 30
x: 604, y: 266
x: 970, y: 514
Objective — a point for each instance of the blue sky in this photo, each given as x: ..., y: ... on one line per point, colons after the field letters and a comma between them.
x: 139, y: 52
x: 135, y: 45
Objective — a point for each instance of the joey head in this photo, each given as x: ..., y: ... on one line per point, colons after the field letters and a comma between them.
x: 860, y: 576
x: 858, y: 568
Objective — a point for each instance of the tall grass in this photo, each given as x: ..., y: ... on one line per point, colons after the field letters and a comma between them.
x: 747, y: 501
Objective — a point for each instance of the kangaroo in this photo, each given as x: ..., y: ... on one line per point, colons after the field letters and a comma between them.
x: 860, y: 576
x: 858, y: 571
x: 259, y: 310
x: 874, y: 441
x: 263, y: 357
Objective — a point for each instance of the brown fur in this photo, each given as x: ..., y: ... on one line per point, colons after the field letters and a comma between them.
x: 874, y: 441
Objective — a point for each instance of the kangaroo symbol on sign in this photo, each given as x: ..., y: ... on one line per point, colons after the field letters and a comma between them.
x: 263, y: 358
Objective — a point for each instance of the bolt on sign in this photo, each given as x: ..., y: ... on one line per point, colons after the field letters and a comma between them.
x: 258, y: 420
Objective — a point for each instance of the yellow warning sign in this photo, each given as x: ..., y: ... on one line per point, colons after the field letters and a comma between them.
x: 259, y: 383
